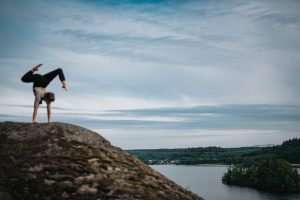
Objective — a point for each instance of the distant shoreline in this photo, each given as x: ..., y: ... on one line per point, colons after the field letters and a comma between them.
x: 288, y: 150
x: 216, y: 165
x: 200, y: 165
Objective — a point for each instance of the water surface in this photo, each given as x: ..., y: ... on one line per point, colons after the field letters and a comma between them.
x: 206, y: 182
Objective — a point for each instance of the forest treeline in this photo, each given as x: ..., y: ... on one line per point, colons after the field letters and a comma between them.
x: 289, y: 150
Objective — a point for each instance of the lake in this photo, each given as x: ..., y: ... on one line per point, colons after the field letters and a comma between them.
x: 206, y: 182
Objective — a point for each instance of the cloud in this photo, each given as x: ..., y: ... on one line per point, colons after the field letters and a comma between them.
x: 155, y: 54
x: 152, y: 139
x: 220, y: 117
x: 202, y: 51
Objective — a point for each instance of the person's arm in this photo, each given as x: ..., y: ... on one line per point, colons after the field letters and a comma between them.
x: 49, y: 112
x: 35, y: 110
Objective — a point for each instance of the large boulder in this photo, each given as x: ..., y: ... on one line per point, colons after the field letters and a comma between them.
x: 63, y: 161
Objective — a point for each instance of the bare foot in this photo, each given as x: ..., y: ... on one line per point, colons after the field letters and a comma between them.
x: 36, y: 68
x: 65, y: 85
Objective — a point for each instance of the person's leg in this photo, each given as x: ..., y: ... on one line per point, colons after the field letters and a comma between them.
x: 51, y: 75
x: 34, y: 115
x: 36, y: 68
x: 49, y: 112
x: 28, y: 77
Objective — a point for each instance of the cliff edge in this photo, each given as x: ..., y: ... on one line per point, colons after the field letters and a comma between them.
x: 63, y: 161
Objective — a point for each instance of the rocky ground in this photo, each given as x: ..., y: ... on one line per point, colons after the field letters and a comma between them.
x: 63, y: 161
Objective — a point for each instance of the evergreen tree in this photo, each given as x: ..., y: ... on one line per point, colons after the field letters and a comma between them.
x: 271, y: 174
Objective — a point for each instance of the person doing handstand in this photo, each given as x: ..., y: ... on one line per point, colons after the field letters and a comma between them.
x: 40, y: 82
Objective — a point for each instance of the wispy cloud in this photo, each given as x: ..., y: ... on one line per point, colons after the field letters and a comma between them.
x: 140, y: 55
x: 269, y: 117
x: 204, y: 51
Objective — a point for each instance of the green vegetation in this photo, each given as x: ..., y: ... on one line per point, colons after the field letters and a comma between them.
x: 289, y: 150
x: 264, y: 168
x: 269, y: 174
x: 193, y: 156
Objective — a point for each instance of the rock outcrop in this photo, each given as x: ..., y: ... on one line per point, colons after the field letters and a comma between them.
x: 63, y: 161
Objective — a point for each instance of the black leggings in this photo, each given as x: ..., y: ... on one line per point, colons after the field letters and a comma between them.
x: 51, y: 75
x: 43, y: 80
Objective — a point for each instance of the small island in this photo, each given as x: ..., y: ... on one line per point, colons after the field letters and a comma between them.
x: 268, y: 174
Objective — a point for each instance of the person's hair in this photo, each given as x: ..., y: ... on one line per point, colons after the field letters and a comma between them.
x: 49, y: 96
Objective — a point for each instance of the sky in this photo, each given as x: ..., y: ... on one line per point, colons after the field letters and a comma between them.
x: 158, y: 74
